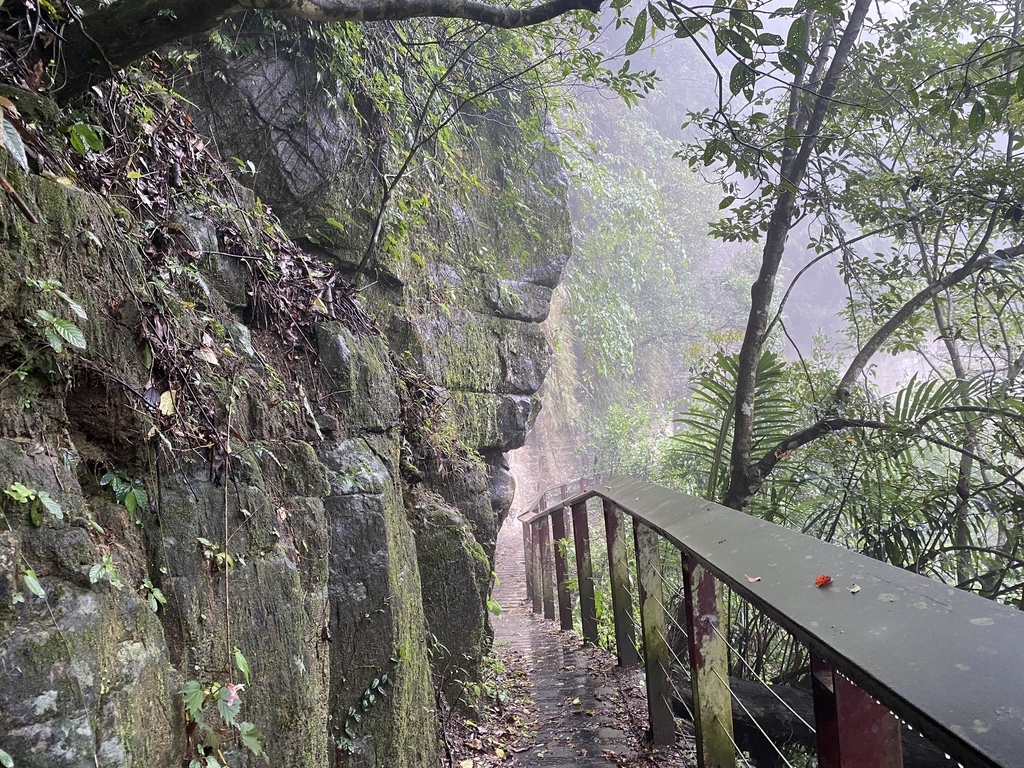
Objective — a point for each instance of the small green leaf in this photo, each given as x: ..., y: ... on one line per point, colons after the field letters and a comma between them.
x: 12, y: 141
x: 639, y: 33
x: 51, y: 506
x: 96, y: 573
x: 976, y: 120
x: 790, y: 62
x: 141, y: 497
x: 741, y: 78
x: 6, y: 760
x: 336, y: 224
x: 726, y: 202
x: 193, y: 695
x: 20, y: 492
x: 691, y: 26
x: 77, y: 308
x: 797, y: 34
x: 86, y: 135
x: 32, y: 582
x: 228, y: 712
x: 739, y: 44
x: 657, y: 18
x: 769, y: 39
x: 1001, y: 88
x: 251, y: 737
x: 70, y: 332
x: 242, y: 664
x: 77, y: 143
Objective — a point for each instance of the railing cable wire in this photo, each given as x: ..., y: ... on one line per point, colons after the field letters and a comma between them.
x: 739, y: 656
x: 728, y: 733
x: 753, y: 720
x: 762, y: 682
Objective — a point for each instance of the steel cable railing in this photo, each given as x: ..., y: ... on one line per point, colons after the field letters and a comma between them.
x: 865, y: 650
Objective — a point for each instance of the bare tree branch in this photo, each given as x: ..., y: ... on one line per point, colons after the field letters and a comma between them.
x: 859, y: 363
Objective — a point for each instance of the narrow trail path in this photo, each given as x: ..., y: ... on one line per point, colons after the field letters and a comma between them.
x: 588, y: 713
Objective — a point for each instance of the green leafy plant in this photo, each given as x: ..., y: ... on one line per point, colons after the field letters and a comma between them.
x: 84, y: 138
x: 212, y: 551
x: 32, y: 584
x: 374, y: 692
x: 128, y: 491
x: 154, y: 598
x: 214, y: 711
x: 6, y: 760
x: 57, y: 331
x: 106, y: 570
x: 37, y: 501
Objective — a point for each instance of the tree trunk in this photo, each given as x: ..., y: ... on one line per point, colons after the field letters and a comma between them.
x: 793, y: 169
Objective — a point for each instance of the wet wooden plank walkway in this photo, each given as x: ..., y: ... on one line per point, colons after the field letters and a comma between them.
x: 607, y: 725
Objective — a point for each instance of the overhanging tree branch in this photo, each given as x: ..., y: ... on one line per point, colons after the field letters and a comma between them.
x: 117, y: 35
x: 757, y: 472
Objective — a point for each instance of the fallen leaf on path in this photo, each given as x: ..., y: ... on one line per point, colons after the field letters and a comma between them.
x: 823, y: 581
x: 753, y: 579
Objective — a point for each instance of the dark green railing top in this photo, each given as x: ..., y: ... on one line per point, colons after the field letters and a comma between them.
x: 947, y: 662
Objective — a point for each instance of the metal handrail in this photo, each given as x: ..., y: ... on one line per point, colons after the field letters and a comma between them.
x: 947, y: 662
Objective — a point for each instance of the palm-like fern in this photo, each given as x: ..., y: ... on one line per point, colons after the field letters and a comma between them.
x: 704, y: 431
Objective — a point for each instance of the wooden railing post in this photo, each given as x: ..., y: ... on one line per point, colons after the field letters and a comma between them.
x: 853, y: 730
x: 546, y: 568
x: 709, y: 667
x: 652, y: 618
x: 618, y: 573
x: 528, y: 561
x: 561, y: 571
x: 537, y: 567
x: 584, y: 572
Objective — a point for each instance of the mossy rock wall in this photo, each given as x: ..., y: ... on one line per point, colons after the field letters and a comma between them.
x: 346, y: 563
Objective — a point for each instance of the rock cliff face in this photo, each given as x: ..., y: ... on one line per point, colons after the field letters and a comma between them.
x: 272, y: 501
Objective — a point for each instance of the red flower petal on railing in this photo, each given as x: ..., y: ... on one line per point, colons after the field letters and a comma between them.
x: 823, y: 581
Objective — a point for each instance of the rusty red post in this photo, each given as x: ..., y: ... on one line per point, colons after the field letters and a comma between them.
x: 618, y: 573
x: 853, y: 730
x: 584, y: 572
x: 561, y: 570
x: 709, y: 667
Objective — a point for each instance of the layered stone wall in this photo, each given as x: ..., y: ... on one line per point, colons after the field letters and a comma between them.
x: 358, y: 583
